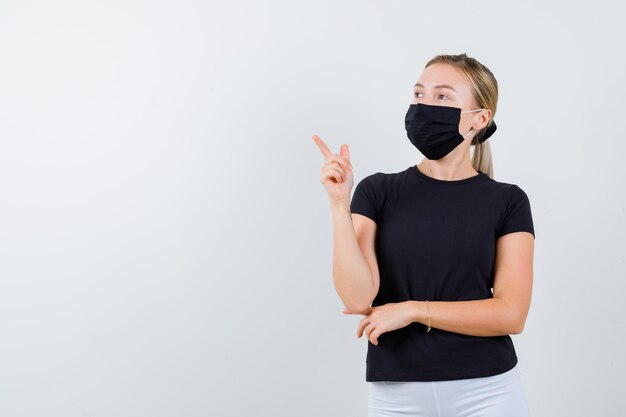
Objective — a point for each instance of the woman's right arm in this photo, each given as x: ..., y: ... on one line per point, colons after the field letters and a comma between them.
x: 355, y: 268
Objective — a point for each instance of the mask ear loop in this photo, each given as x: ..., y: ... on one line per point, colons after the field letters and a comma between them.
x: 470, y: 131
x: 472, y: 128
x: 490, y: 130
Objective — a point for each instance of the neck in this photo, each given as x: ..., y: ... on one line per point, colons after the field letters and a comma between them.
x: 447, y: 171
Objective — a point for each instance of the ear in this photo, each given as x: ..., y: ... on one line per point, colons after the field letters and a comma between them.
x: 483, y: 119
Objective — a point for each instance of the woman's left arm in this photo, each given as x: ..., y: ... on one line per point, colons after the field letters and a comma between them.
x: 503, y: 314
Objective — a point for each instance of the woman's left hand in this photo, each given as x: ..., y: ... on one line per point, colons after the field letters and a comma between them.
x: 384, y: 318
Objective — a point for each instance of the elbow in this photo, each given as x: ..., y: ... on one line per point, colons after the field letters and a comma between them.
x: 359, y: 307
x: 356, y: 308
x: 518, y: 326
x: 514, y: 318
x: 517, y: 329
x: 357, y: 303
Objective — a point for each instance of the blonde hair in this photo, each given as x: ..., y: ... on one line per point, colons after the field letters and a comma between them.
x: 484, y: 88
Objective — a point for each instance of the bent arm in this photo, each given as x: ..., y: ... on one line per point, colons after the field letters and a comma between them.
x: 503, y: 314
x: 488, y: 317
x: 352, y: 276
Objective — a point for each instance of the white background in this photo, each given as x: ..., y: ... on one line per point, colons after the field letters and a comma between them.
x: 165, y: 243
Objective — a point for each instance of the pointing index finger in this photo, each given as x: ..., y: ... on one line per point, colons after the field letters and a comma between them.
x: 322, y: 146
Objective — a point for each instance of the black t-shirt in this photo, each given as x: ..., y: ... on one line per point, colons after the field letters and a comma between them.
x: 436, y: 241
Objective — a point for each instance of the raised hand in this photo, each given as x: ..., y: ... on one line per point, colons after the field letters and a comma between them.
x: 336, y: 172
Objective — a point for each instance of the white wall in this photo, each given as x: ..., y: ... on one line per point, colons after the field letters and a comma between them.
x: 165, y: 243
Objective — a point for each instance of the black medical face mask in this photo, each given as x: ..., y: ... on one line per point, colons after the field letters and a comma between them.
x: 434, y: 130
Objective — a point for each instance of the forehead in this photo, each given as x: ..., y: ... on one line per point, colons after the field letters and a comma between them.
x: 443, y: 74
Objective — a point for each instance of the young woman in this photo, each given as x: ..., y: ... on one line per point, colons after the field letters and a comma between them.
x: 438, y: 257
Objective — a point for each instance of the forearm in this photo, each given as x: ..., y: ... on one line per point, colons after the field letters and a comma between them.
x: 487, y: 317
x: 351, y: 273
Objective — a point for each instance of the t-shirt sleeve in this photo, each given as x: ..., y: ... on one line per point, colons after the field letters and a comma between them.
x: 366, y: 199
x: 518, y: 215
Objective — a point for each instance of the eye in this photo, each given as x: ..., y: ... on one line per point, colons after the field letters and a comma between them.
x: 417, y: 93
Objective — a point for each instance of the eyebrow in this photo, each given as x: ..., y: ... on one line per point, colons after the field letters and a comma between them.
x: 437, y: 86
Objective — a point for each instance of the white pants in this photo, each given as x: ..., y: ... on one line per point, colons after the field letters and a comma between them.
x: 493, y: 396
